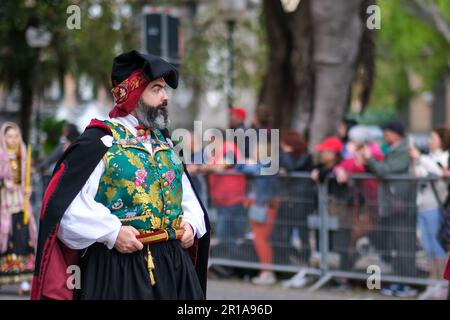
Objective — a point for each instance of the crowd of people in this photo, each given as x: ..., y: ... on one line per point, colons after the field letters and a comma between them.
x: 398, y: 216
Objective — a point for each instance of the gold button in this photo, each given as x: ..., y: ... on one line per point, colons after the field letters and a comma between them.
x: 163, y: 175
x: 166, y: 184
x: 168, y: 202
x: 168, y: 211
x: 167, y: 221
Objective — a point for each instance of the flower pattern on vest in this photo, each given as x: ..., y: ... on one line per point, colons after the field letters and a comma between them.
x: 142, y: 190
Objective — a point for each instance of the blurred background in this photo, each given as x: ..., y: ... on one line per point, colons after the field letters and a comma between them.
x: 300, y: 65
x: 309, y: 66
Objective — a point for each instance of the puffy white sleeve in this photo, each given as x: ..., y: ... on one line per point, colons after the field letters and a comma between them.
x: 192, y: 211
x: 87, y: 221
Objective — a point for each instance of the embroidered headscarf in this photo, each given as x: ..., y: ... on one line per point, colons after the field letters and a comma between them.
x: 132, y: 71
x: 127, y: 93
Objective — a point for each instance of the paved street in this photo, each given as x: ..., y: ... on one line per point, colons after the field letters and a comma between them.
x: 234, y: 289
x: 243, y: 290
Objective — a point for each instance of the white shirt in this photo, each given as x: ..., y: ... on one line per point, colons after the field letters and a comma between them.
x: 433, y: 163
x: 87, y: 221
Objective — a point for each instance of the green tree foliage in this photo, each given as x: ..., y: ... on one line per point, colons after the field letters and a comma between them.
x: 405, y: 44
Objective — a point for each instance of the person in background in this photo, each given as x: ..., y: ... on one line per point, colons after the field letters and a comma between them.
x: 17, y: 224
x: 261, y: 119
x: 297, y: 201
x: 364, y: 191
x: 330, y: 151
x: 397, y: 221
x: 263, y: 206
x: 227, y: 190
x: 343, y: 130
x: 237, y: 121
x: 428, y: 206
x: 195, y: 161
x: 69, y: 134
x: 237, y: 118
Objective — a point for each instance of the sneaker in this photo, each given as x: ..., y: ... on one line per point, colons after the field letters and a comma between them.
x: 24, y: 288
x: 250, y: 236
x: 297, y: 281
x: 340, y: 284
x: 390, y: 291
x: 406, y: 292
x: 265, y: 278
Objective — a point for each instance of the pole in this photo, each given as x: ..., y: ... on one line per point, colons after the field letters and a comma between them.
x: 26, y: 210
x: 230, y: 97
x: 39, y: 87
x: 323, y: 230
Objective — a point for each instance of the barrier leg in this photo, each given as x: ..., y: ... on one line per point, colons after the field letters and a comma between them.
x: 319, y: 283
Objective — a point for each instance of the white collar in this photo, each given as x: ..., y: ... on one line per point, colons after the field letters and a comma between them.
x: 129, y: 122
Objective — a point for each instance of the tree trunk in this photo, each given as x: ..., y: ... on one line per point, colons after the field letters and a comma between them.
x: 337, y: 32
x: 279, y: 87
x: 302, y: 64
x: 313, y: 57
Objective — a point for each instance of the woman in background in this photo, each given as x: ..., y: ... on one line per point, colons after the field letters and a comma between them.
x: 428, y: 216
x: 17, y: 232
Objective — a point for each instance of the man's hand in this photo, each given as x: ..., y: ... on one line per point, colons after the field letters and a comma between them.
x: 126, y: 240
x: 413, y: 152
x: 187, y: 240
x: 315, y: 175
x: 367, y: 153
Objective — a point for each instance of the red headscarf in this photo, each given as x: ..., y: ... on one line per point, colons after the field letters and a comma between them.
x: 127, y: 94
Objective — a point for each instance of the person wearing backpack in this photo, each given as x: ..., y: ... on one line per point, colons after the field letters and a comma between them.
x: 429, y: 194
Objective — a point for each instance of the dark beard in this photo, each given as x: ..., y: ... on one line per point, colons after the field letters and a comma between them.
x: 150, y: 117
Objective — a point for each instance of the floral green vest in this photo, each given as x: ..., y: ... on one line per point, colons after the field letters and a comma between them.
x: 142, y: 190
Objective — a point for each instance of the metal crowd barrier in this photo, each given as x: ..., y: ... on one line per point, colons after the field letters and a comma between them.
x: 322, y: 231
x: 326, y: 230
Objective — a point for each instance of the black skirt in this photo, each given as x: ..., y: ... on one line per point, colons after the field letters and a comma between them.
x: 17, y: 263
x: 110, y: 275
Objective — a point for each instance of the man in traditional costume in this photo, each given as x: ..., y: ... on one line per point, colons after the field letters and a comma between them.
x: 120, y: 204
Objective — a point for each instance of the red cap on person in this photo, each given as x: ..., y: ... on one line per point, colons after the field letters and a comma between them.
x: 239, y: 112
x: 330, y: 144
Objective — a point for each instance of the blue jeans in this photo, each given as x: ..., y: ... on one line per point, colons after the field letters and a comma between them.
x: 429, y: 222
x: 231, y: 223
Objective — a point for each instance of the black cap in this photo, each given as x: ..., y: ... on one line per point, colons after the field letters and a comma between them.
x: 154, y: 68
x: 395, y: 126
x: 349, y: 122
